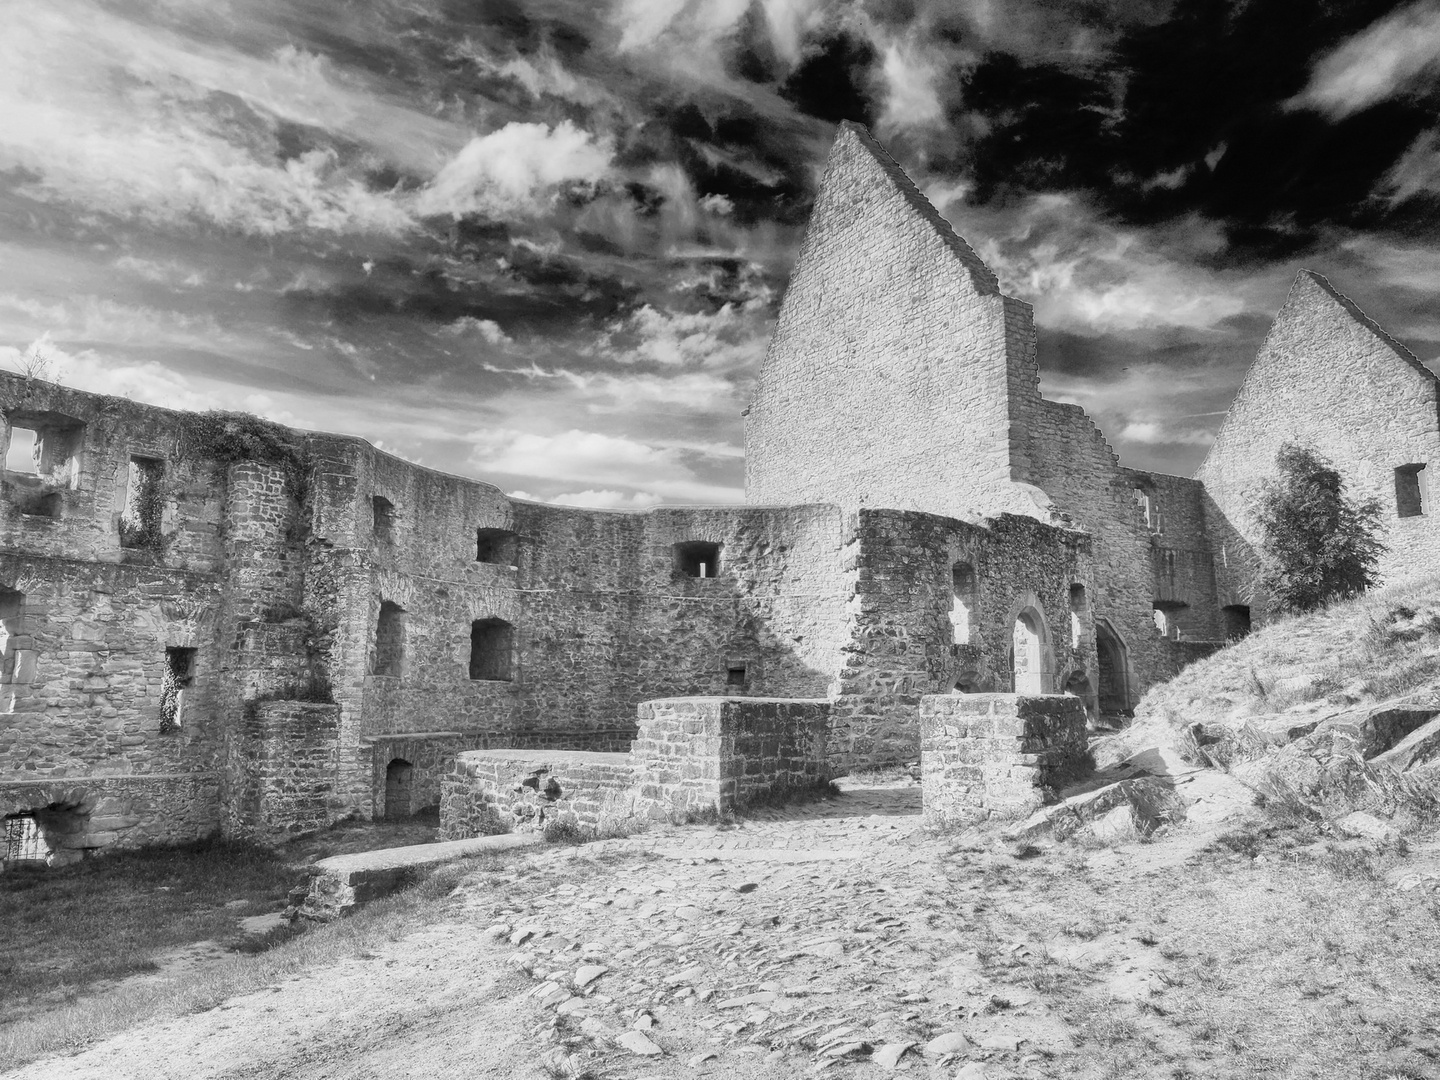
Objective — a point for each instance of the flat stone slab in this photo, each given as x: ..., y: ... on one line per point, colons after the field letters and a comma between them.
x: 346, y: 881
x: 579, y: 757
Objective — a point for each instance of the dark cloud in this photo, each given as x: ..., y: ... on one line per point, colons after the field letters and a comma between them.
x: 831, y: 82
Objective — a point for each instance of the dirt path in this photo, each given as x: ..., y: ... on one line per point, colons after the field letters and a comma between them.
x: 817, y: 940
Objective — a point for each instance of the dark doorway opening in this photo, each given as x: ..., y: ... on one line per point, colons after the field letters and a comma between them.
x: 399, y: 789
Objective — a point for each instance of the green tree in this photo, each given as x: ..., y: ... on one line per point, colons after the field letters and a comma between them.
x: 1316, y: 544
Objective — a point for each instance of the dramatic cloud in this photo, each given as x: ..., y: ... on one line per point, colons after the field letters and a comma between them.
x: 1395, y: 55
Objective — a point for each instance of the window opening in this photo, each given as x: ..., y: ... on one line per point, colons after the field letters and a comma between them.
x: 1077, y: 614
x: 1237, y: 621
x: 495, y: 546
x: 492, y: 646
x: 175, y: 683
x: 962, y: 603
x: 23, y: 456
x: 383, y: 521
x: 144, y: 504
x: 1411, y: 491
x: 389, y: 640
x: 23, y: 839
x: 1149, y: 508
x: 698, y: 558
x: 1025, y: 654
x: 735, y: 675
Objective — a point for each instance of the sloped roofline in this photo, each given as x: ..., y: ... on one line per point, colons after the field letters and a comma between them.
x: 983, y: 277
x: 1370, y: 324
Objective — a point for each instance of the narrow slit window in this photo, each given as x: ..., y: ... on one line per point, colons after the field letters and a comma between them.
x: 1411, y: 491
x: 175, y: 686
x: 1077, y: 614
x: 698, y: 558
x: 962, y: 602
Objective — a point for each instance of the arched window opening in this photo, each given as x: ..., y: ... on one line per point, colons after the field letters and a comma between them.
x: 399, y: 789
x: 492, y: 644
x: 1112, y: 659
x: 389, y: 640
x: 1237, y: 621
x: 962, y: 603
x: 1027, y: 656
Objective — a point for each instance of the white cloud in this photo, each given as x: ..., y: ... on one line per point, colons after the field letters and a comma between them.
x: 720, y: 205
x: 591, y: 457
x: 1416, y: 173
x: 1393, y: 55
x: 608, y: 499
x: 729, y: 339
x: 1155, y: 433
x: 515, y: 170
x: 486, y: 329
x: 911, y: 100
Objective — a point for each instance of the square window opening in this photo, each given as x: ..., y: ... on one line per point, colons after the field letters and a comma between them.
x: 497, y: 546
x: 698, y: 559
x: 492, y: 647
x: 735, y: 675
x: 23, y: 454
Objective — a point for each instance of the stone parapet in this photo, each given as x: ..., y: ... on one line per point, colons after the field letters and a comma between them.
x: 498, y: 791
x: 706, y: 753
x: 996, y: 755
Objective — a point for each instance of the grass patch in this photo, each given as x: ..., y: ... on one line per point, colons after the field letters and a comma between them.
x: 110, y: 917
x: 79, y: 1020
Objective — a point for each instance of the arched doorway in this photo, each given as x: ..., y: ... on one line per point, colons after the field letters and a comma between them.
x: 399, y: 780
x: 1028, y: 654
x: 1113, y: 660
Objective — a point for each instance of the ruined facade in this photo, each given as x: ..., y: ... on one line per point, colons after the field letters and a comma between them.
x: 212, y: 623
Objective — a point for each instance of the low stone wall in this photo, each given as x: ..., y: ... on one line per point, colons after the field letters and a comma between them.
x: 997, y: 755
x: 290, y: 755
x: 81, y: 814
x: 497, y: 791
x: 721, y: 753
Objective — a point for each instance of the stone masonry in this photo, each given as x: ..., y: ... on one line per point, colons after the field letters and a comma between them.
x: 997, y: 755
x: 212, y: 622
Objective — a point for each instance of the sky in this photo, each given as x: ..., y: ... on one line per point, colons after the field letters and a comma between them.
x: 543, y: 242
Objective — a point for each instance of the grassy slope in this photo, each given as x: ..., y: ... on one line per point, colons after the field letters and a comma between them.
x: 1381, y: 647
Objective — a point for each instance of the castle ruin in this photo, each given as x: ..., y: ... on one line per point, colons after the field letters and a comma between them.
x: 212, y: 623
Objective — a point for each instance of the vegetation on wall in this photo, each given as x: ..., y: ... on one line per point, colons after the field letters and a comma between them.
x: 228, y: 437
x: 1317, y: 544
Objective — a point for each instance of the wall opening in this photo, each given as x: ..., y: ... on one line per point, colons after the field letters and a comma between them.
x: 962, y: 603
x: 1412, y: 494
x: 44, y: 446
x: 492, y: 647
x: 1166, y: 614
x: 1149, y: 508
x: 24, y: 843
x: 1078, y: 605
x: 698, y: 558
x: 175, y: 684
x: 498, y: 546
x: 1237, y: 621
x: 144, y: 504
x: 389, y: 640
x: 1113, y: 660
x: 382, y: 520
x: 1027, y: 654
x: 1077, y: 684
x: 735, y: 675
x: 23, y: 454
x: 399, y: 789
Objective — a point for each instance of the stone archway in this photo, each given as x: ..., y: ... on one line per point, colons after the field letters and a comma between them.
x: 399, y: 788
x: 1114, y: 694
x: 1032, y: 664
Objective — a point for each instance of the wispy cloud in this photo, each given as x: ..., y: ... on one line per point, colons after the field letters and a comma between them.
x: 1392, y: 56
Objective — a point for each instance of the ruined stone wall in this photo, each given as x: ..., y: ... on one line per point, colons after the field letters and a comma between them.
x: 430, y: 756
x: 698, y: 753
x: 1182, y: 562
x: 495, y: 791
x: 886, y: 380
x: 997, y: 755
x: 903, y: 642
x: 1328, y: 378
x: 285, y: 778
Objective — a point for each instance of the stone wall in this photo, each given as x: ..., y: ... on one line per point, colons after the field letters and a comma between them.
x: 1328, y: 378
x: 429, y: 755
x: 696, y: 754
x: 81, y: 816
x: 286, y: 769
x: 997, y: 755
x: 497, y: 791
